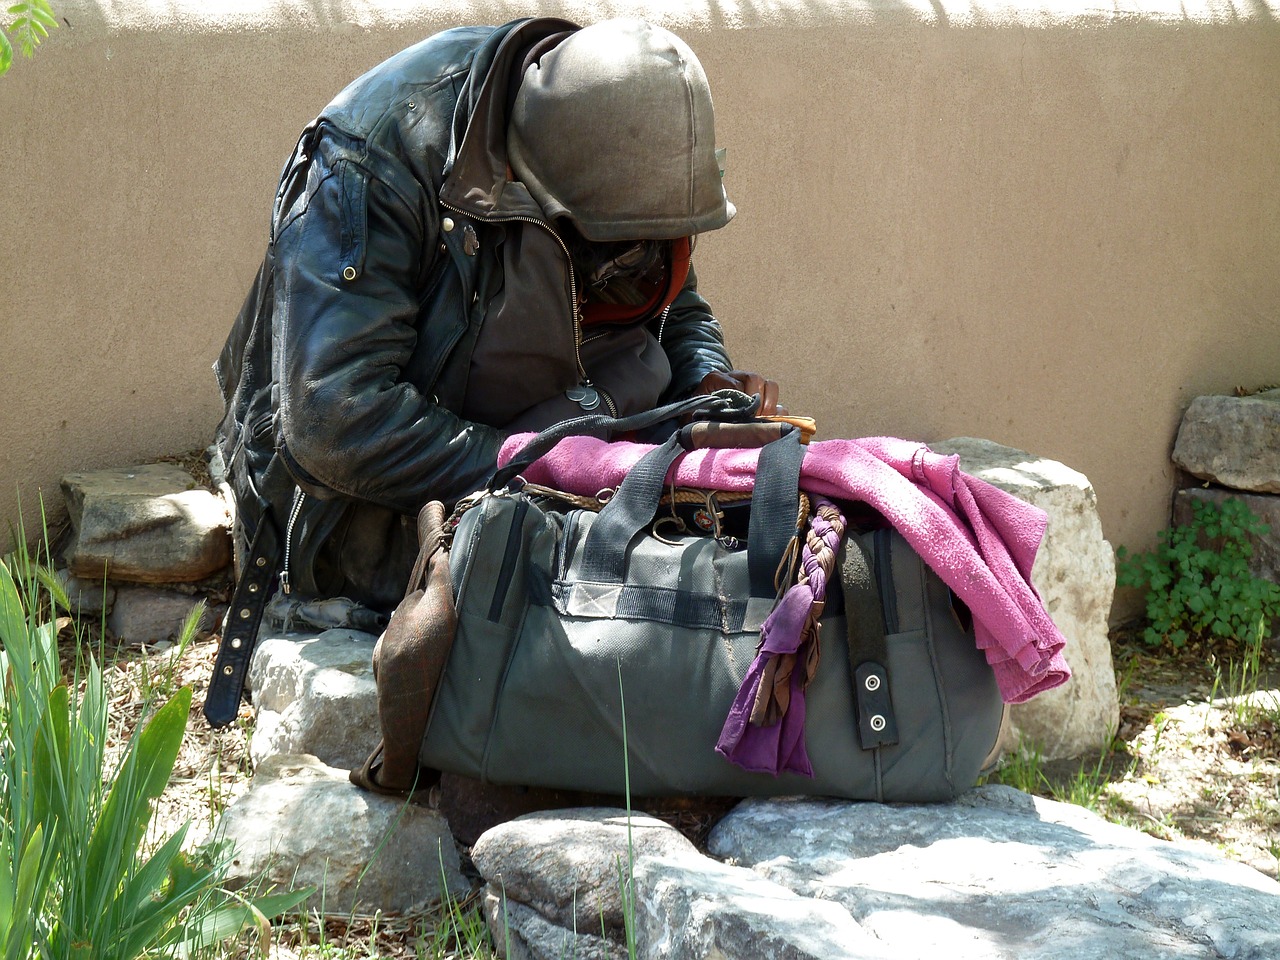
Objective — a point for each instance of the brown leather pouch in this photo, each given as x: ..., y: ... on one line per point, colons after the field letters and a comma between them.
x: 407, y: 664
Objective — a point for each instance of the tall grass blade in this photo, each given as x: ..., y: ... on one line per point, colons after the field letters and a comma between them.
x: 628, y: 883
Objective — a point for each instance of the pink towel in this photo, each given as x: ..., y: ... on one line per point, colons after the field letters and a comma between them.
x: 980, y: 540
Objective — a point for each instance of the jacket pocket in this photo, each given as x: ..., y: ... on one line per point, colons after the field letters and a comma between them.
x: 353, y: 220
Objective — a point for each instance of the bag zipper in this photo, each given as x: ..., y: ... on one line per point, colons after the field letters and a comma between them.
x: 294, y: 510
x: 515, y: 540
x: 884, y: 580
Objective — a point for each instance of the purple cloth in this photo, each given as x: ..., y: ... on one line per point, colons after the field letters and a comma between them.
x: 780, y: 746
x: 980, y: 540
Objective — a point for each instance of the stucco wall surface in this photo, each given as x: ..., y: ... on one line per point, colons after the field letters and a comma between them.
x: 1050, y: 225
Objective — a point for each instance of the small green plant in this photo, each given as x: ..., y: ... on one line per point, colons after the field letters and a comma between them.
x: 31, y: 23
x: 81, y: 875
x: 1197, y: 592
x: 1023, y: 770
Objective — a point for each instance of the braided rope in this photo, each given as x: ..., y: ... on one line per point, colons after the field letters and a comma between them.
x: 826, y: 530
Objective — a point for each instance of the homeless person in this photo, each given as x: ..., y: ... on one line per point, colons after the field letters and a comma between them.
x: 487, y: 233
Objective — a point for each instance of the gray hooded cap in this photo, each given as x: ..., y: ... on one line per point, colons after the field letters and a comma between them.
x: 613, y: 128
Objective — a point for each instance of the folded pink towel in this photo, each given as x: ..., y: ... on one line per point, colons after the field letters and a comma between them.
x: 980, y: 540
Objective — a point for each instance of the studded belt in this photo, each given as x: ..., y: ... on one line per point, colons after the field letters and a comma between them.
x: 240, y: 633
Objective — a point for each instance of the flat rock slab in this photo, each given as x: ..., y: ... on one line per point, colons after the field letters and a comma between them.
x: 1234, y: 441
x: 315, y: 694
x: 302, y: 823
x: 145, y: 524
x: 704, y: 908
x: 1000, y: 874
x: 1075, y: 576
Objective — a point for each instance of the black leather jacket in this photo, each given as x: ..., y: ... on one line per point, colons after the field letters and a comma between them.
x: 352, y: 353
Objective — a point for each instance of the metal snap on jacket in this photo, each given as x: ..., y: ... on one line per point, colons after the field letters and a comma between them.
x: 877, y: 723
x: 446, y: 224
x: 349, y: 273
x: 872, y: 682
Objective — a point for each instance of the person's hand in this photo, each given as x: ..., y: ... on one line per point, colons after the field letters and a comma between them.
x: 749, y: 383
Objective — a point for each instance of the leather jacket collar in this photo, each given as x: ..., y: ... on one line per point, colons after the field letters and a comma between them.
x: 476, y: 181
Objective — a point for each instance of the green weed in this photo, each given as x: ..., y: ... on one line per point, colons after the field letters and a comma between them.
x: 1023, y: 770
x: 1195, y: 591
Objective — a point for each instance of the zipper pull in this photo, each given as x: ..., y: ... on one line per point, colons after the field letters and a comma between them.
x: 284, y: 582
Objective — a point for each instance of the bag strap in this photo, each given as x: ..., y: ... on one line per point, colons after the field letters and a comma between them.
x: 771, y: 527
x: 726, y: 405
x: 868, y: 648
x: 774, y: 508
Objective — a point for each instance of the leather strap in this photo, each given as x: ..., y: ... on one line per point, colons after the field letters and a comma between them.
x: 868, y: 650
x: 721, y: 405
x: 240, y: 632
x: 774, y: 506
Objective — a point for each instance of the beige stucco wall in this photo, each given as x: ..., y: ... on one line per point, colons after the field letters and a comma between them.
x: 1045, y: 225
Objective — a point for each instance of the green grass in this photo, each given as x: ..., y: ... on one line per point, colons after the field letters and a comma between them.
x: 82, y: 873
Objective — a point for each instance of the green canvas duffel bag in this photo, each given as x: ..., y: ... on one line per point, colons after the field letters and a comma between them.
x: 563, y: 611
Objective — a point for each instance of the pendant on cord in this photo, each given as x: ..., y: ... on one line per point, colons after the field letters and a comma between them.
x: 585, y: 396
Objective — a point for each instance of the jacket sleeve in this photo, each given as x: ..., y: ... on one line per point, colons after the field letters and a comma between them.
x: 351, y: 259
x: 693, y: 341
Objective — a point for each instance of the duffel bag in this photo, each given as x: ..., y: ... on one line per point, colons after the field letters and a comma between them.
x: 564, y: 613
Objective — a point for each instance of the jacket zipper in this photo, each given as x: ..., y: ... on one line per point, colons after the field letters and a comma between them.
x: 573, y: 283
x: 662, y: 324
x: 298, y: 497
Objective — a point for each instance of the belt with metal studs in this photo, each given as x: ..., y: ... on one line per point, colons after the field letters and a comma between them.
x: 240, y: 631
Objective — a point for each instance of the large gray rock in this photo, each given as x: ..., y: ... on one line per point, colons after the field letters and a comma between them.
x: 303, y: 823
x: 696, y: 907
x: 565, y: 863
x: 315, y: 694
x: 1234, y: 441
x: 1000, y: 874
x: 145, y: 524
x: 1265, y: 562
x: 151, y: 615
x: 1075, y: 575
x: 86, y: 597
x: 521, y: 933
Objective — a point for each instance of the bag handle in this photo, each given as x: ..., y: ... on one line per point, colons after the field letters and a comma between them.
x: 775, y: 505
x: 723, y: 405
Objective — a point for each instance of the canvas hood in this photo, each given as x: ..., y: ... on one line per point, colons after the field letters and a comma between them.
x: 613, y: 128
